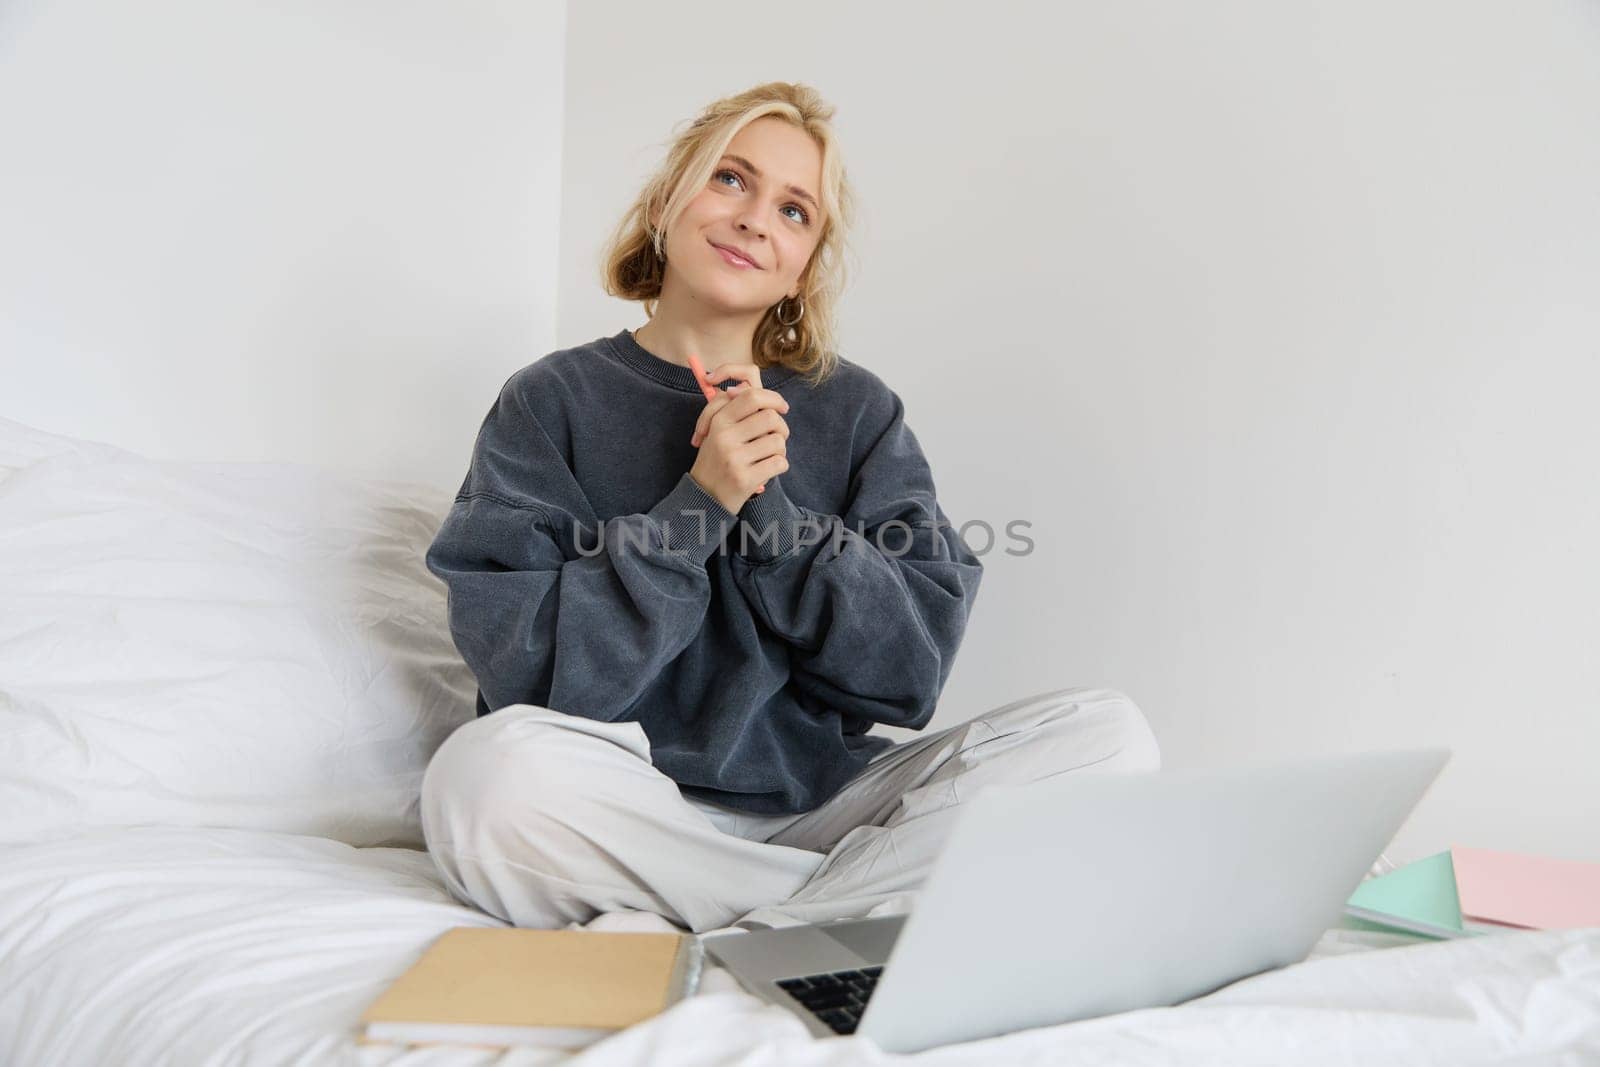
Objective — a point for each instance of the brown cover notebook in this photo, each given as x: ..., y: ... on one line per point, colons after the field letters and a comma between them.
x: 501, y: 986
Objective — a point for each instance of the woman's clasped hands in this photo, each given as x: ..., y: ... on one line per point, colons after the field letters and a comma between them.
x: 742, y: 437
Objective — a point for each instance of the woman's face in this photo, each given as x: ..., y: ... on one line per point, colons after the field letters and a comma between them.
x: 749, y: 206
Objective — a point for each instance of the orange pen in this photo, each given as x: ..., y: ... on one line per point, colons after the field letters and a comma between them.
x: 700, y: 376
x: 710, y: 390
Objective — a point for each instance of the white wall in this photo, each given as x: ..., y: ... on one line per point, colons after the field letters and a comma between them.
x: 1283, y: 324
x: 1282, y: 314
x: 303, y: 231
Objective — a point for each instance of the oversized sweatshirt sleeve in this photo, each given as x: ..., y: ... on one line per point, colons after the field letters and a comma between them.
x: 874, y: 602
x: 542, y: 607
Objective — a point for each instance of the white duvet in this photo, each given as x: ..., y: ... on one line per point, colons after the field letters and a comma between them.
x: 182, y: 945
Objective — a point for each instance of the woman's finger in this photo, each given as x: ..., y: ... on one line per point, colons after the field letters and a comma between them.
x: 761, y: 399
x: 765, y: 398
x: 745, y: 372
x: 702, y: 425
x: 724, y: 397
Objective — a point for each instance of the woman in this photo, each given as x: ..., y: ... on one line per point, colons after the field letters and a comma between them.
x: 685, y: 616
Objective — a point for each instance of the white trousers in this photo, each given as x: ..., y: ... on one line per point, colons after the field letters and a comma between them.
x: 546, y: 819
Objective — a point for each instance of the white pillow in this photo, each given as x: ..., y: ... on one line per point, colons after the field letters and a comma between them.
x: 250, y: 645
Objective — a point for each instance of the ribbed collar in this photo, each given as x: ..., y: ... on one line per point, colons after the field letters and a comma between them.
x: 635, y: 355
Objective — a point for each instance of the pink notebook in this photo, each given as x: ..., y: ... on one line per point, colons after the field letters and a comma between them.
x: 1539, y: 892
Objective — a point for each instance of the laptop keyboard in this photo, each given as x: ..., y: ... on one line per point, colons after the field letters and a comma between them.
x: 837, y: 998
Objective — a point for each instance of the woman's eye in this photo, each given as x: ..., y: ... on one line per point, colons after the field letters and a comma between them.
x: 804, y: 217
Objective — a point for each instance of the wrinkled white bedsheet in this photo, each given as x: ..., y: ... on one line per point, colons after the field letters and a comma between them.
x: 181, y: 945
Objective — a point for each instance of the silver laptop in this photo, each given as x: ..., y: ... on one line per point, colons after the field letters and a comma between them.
x: 1081, y: 895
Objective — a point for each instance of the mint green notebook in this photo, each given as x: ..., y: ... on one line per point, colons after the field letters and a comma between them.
x: 1420, y: 898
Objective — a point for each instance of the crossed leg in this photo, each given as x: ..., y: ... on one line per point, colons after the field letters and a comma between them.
x: 545, y: 819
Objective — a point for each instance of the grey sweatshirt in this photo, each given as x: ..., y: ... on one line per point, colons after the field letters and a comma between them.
x: 589, y: 573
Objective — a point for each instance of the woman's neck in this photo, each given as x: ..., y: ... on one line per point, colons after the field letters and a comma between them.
x: 715, y: 344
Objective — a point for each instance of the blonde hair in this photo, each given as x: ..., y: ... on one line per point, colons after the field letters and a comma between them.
x: 632, y: 267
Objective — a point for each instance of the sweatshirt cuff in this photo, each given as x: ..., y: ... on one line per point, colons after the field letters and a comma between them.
x: 770, y: 521
x: 695, y: 523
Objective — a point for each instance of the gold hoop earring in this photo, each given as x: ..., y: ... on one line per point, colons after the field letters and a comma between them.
x: 778, y: 311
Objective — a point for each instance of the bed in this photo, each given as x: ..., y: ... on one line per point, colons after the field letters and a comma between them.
x: 219, y: 686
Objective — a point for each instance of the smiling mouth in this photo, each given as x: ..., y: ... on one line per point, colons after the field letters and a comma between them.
x: 735, y: 254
